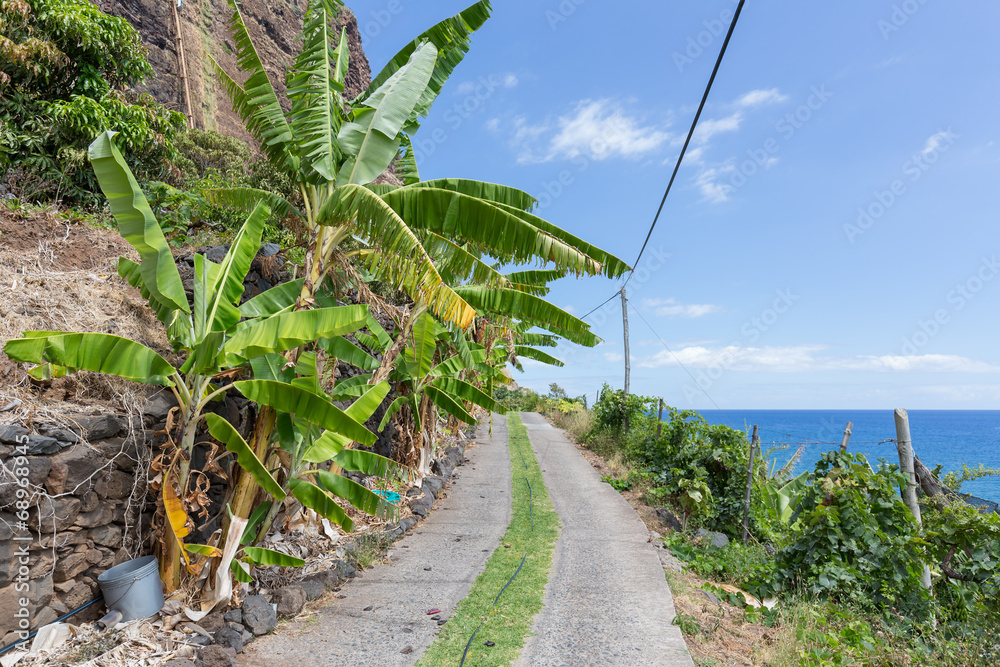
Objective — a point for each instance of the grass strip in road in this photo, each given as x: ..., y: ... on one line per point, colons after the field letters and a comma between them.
x: 508, y: 622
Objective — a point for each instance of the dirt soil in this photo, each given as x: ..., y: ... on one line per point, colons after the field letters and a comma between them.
x: 724, y: 636
x: 58, y: 273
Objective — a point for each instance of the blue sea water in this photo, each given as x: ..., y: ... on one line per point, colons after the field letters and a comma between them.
x: 946, y: 437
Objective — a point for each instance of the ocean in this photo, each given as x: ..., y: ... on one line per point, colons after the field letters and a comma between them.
x: 946, y: 437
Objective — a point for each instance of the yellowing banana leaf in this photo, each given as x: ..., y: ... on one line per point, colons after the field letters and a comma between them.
x: 223, y: 431
x: 100, y: 353
x: 204, y: 550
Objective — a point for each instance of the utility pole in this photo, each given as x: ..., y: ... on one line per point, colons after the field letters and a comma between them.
x: 179, y: 43
x: 627, y: 361
x: 746, y: 502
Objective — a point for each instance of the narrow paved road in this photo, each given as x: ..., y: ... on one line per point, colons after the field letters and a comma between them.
x: 607, y: 602
x: 455, y: 541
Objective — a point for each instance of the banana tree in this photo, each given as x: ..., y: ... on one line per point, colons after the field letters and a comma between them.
x: 333, y: 153
x: 214, y: 335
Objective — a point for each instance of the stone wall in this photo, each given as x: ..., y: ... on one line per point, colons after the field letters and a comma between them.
x: 84, y: 483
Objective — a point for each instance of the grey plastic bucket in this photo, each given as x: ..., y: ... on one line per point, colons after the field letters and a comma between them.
x: 133, y: 588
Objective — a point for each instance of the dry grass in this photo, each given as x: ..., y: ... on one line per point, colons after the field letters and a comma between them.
x: 59, y: 274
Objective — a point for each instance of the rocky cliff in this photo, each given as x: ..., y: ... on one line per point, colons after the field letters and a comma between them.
x: 274, y: 28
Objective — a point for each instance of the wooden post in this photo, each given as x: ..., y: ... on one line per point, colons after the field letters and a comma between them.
x: 904, y: 446
x: 746, y: 502
x: 627, y: 360
x: 659, y: 421
x: 183, y: 64
x: 847, y: 437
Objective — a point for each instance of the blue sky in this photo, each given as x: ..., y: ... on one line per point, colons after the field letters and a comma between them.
x: 831, y: 241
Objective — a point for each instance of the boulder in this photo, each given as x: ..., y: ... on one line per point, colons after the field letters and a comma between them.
x: 313, y: 589
x: 668, y: 519
x: 227, y: 637
x: 717, y: 540
x: 233, y: 616
x: 13, y: 435
x: 290, y: 600
x: 159, y: 406
x: 259, y: 616
x: 216, y: 656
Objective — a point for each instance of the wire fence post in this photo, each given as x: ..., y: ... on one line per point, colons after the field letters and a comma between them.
x: 659, y: 421
x: 904, y: 446
x: 746, y: 502
x: 847, y: 437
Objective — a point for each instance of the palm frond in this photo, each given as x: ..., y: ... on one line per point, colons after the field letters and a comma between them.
x: 530, y: 309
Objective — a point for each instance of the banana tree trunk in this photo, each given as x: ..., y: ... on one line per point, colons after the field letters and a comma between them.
x: 245, y: 493
x: 427, y: 419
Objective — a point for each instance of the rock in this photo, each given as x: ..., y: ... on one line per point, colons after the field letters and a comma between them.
x: 79, y: 594
x: 44, y: 616
x: 432, y: 485
x: 115, y: 484
x: 407, y: 522
x: 247, y: 636
x: 107, y: 536
x: 313, y: 589
x: 213, y: 621
x: 159, y: 406
x: 70, y: 565
x: 55, y: 515
x: 226, y: 636
x: 418, y: 509
x: 236, y: 627
x: 60, y: 434
x: 414, y: 492
x: 290, y: 600
x: 216, y: 656
x: 12, y: 435
x: 327, y: 578
x: 90, y: 501
x: 99, y: 427
x: 5, y: 452
x: 717, y: 540
x: 259, y: 616
x: 269, y: 249
x: 233, y: 616
x: 42, y: 444
x: 179, y: 662
x: 710, y: 597
x: 345, y: 570
x: 200, y: 640
x: 71, y: 470
x: 104, y: 514
x: 668, y: 519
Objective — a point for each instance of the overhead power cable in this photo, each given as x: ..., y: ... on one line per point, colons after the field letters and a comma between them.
x: 687, y: 141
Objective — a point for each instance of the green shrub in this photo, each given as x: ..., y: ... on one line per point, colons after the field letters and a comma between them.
x: 65, y: 69
x: 854, y: 538
x: 613, y: 408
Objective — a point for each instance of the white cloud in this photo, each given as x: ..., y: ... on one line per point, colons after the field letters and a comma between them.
x: 510, y: 80
x: 803, y: 358
x: 570, y: 309
x: 614, y: 357
x: 493, y: 124
x: 709, y: 128
x: 670, y: 308
x: 598, y: 129
x: 466, y: 87
x: 934, y: 142
x: 711, y: 189
x: 889, y: 62
x: 761, y: 97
